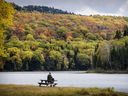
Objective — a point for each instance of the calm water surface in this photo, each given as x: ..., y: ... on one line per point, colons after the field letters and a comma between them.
x: 68, y: 79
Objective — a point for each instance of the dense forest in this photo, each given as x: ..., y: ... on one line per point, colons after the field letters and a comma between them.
x: 32, y: 40
x: 44, y: 9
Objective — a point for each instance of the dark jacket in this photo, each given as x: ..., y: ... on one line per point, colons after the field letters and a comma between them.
x: 50, y: 78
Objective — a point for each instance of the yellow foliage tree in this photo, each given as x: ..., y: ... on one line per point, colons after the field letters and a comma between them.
x: 6, y: 18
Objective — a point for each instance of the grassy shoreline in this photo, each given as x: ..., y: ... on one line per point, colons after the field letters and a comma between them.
x: 28, y: 90
x: 107, y: 71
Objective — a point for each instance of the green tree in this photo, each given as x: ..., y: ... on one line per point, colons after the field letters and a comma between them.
x: 61, y: 32
x: 91, y: 36
x: 125, y: 30
x: 101, y: 57
x: 54, y: 60
x: 83, y: 62
x: 65, y: 63
x: 30, y: 37
x: 14, y: 61
x: 3, y: 57
x: 118, y: 34
x: 83, y: 30
x: 119, y: 57
x: 70, y: 56
x: 26, y: 59
x: 14, y: 42
x: 37, y: 61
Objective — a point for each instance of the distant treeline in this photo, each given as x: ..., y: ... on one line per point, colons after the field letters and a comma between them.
x: 44, y: 9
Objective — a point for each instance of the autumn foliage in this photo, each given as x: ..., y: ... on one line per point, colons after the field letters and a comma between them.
x: 42, y: 41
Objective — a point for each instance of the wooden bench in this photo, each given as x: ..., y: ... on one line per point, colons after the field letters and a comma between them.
x: 46, y: 83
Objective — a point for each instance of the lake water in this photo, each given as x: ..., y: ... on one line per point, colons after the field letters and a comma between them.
x: 68, y: 79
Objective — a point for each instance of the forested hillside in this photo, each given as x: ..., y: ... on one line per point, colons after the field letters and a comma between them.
x: 43, y: 41
x: 44, y: 9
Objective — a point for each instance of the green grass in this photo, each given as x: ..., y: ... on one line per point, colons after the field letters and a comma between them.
x: 23, y: 90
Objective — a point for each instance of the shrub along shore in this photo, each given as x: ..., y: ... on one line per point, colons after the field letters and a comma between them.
x: 28, y: 90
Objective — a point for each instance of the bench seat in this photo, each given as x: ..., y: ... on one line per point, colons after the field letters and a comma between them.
x: 45, y: 82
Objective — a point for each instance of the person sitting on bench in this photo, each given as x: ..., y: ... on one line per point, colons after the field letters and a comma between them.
x: 50, y: 79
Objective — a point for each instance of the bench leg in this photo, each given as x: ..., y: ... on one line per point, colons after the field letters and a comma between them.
x: 50, y: 85
x: 54, y: 85
x: 47, y: 85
